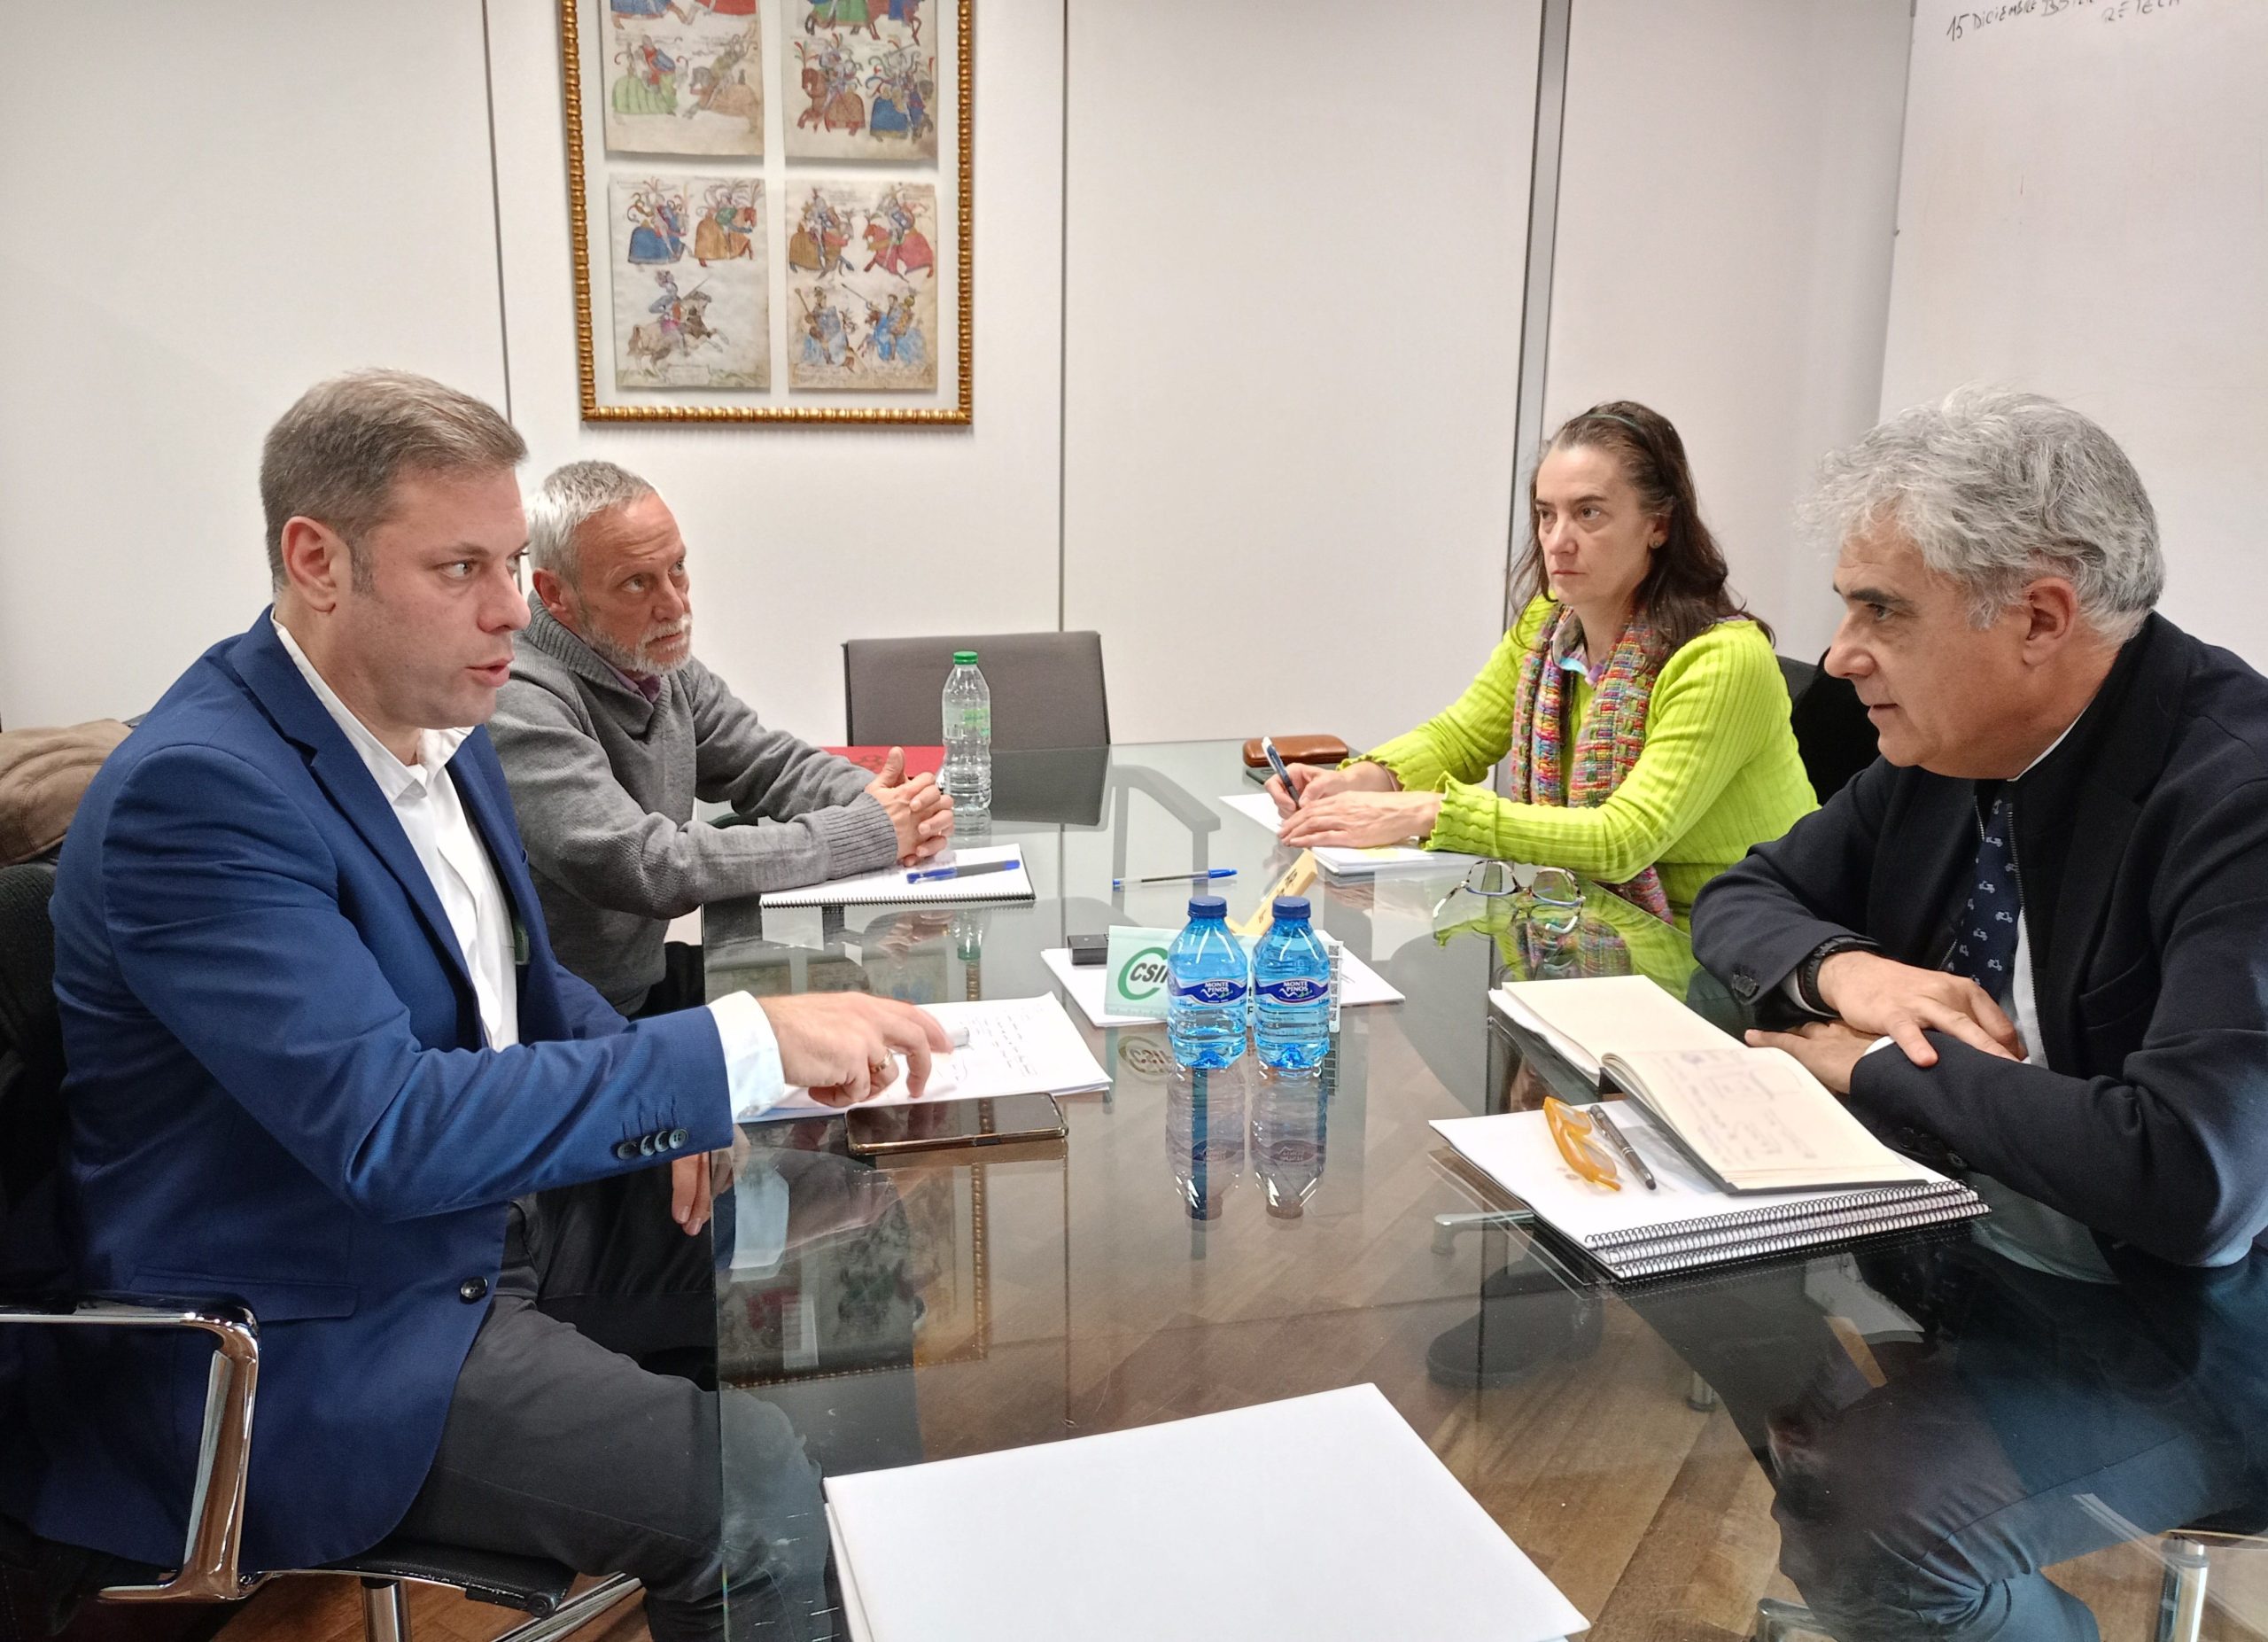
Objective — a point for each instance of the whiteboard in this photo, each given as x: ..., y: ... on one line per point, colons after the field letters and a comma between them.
x: 2083, y: 211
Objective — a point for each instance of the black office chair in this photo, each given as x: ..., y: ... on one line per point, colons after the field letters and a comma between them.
x: 1834, y: 736
x: 32, y: 1294
x: 1047, y: 689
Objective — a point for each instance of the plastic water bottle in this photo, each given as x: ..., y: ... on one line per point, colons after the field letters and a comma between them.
x: 1290, y: 1124
x: 1209, y: 982
x: 967, y: 776
x: 1291, y: 985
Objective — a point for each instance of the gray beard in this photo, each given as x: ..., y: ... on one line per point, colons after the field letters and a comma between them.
x: 634, y: 661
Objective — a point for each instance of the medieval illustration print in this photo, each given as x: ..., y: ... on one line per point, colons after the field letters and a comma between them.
x: 692, y: 294
x: 862, y: 287
x: 683, y: 77
x: 861, y: 78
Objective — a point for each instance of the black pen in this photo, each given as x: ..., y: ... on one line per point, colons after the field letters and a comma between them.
x: 1275, y: 763
x: 1622, y: 1145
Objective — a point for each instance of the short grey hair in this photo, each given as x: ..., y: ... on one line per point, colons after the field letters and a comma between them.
x: 570, y: 498
x: 334, y: 456
x: 1994, y: 488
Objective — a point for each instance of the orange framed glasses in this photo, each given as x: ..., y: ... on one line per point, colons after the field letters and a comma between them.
x: 1576, y: 1133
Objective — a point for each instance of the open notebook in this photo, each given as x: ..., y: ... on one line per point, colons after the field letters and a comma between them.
x: 1342, y: 863
x: 1752, y: 1120
x: 1688, y: 1223
x: 1322, y: 1518
x: 896, y: 886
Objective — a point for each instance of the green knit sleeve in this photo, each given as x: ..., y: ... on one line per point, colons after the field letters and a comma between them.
x: 1462, y: 743
x: 1716, y: 700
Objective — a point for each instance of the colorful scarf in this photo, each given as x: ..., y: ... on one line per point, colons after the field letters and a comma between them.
x: 1543, y: 771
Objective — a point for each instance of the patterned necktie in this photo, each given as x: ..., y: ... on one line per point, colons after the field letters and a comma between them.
x: 1984, y: 948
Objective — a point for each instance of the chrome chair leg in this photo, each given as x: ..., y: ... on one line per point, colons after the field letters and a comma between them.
x: 2181, y: 1597
x: 1700, y: 1397
x: 1777, y: 1621
x: 576, y: 1612
x: 1446, y: 1227
x: 385, y: 1611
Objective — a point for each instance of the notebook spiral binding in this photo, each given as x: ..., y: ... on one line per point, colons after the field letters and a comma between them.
x: 1742, y: 1219
x: 1939, y: 1212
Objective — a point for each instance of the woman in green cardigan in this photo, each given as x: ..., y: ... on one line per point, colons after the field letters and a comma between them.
x: 1641, y: 709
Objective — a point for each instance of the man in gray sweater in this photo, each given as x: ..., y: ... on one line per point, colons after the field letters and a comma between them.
x: 609, y: 730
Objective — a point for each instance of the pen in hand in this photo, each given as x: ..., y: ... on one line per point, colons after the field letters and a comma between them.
x: 1622, y: 1145
x: 1275, y: 763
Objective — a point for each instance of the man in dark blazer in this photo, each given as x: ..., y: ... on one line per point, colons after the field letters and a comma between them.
x: 318, y: 1044
x: 2051, y: 894
x: 2030, y: 942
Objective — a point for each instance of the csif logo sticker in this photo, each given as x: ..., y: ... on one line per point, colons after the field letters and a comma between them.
x: 1144, y: 973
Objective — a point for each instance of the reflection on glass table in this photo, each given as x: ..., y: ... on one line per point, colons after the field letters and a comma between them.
x: 1903, y: 1435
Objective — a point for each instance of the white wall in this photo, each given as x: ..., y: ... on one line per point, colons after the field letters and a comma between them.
x: 2084, y: 214
x: 1292, y: 300
x: 801, y: 538
x: 1295, y: 268
x: 208, y: 209
x: 1727, y: 194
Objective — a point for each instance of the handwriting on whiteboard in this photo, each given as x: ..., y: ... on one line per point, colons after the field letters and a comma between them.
x: 1966, y: 23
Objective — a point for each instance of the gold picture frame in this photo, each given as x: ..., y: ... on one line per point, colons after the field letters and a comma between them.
x: 956, y: 385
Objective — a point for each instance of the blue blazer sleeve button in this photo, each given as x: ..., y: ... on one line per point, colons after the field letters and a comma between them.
x: 625, y: 1150
x: 473, y: 1290
x: 677, y: 1138
x: 645, y: 1146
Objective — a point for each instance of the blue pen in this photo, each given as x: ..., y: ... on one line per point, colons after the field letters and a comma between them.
x: 1177, y: 877
x: 931, y: 874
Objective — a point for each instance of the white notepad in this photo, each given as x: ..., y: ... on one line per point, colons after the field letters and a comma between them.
x: 1321, y: 1518
x: 1341, y: 863
x: 1016, y: 1045
x: 1087, y: 986
x: 894, y: 887
x: 1686, y: 1223
x: 1584, y: 1019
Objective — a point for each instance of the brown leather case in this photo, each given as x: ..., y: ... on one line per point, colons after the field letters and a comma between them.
x: 1299, y: 750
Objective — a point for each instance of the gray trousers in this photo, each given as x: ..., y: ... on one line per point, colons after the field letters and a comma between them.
x: 559, y: 1443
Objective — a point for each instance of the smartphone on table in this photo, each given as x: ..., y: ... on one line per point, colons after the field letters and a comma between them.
x: 995, y: 1120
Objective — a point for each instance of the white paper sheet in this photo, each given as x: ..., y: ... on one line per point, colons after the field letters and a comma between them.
x: 1353, y: 863
x: 892, y: 888
x: 1016, y: 1045
x: 1322, y: 1518
x: 1089, y: 986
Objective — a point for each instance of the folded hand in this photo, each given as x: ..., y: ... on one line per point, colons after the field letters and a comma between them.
x: 1354, y: 820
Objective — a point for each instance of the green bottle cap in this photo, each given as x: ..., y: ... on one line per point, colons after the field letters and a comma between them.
x: 964, y: 658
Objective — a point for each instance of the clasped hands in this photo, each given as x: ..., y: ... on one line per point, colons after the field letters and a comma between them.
x: 844, y: 1047
x: 1875, y: 997
x: 921, y: 810
x: 1353, y: 808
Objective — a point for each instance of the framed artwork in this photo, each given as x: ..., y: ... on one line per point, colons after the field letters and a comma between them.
x: 771, y: 208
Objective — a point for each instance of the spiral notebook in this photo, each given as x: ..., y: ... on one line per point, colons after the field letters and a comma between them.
x: 1688, y: 1223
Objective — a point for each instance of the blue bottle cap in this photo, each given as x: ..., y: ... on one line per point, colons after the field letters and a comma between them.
x: 1208, y: 906
x: 1291, y: 909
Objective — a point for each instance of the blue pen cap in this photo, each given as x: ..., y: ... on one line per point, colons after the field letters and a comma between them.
x: 1291, y: 909
x: 1208, y: 906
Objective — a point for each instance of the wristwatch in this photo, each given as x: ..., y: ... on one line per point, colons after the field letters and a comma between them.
x: 1807, y: 971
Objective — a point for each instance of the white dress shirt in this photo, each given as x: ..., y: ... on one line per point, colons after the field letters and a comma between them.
x: 425, y: 801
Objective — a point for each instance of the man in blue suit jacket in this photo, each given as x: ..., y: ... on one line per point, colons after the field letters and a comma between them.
x: 318, y: 1044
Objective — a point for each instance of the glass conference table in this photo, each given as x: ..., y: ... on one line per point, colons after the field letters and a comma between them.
x: 1910, y: 1429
